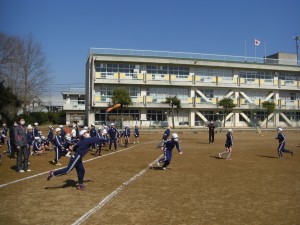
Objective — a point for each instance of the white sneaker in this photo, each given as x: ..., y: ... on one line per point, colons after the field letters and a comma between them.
x: 164, y: 168
x: 21, y: 171
x: 29, y: 170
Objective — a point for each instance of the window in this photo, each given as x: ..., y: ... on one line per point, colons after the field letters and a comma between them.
x: 179, y: 71
x: 155, y: 115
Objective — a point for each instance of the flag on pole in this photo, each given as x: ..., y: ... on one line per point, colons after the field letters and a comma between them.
x: 256, y: 42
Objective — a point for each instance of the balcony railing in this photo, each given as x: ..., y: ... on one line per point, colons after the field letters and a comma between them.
x: 193, y: 56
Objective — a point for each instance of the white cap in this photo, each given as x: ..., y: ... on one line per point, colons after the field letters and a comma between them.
x: 36, y: 124
x: 29, y: 127
x: 50, y: 127
x: 92, y: 124
x: 230, y: 130
x: 82, y: 132
x: 175, y: 137
x: 61, y: 126
x: 85, y: 128
x: 280, y: 129
x: 37, y: 138
x: 112, y: 124
x: 43, y: 138
x: 57, y: 129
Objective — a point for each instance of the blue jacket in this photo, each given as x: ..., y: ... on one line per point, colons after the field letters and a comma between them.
x: 30, y: 138
x: 127, y: 132
x: 35, y: 132
x: 36, y: 145
x: 50, y: 135
x: 58, y: 141
x: 82, y: 147
x: 170, y: 144
x: 136, y: 132
x: 280, y: 137
x: 229, y: 140
x: 113, y: 133
x: 93, y: 132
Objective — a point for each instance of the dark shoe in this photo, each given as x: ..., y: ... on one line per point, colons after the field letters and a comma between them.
x: 292, y: 153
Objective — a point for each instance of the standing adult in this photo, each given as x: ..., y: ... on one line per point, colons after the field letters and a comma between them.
x: 211, y: 132
x: 21, y: 145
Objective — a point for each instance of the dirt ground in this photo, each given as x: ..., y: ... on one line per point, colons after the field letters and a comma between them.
x: 255, y: 187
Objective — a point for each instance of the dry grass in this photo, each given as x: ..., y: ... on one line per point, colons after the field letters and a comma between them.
x: 197, y: 188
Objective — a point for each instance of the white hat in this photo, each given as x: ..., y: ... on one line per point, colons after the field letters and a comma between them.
x: 37, y: 138
x: 50, y: 127
x: 57, y: 129
x: 61, y: 126
x: 29, y: 127
x: 280, y: 129
x: 230, y: 130
x: 175, y: 137
x: 112, y: 124
x: 85, y: 128
x: 36, y: 124
x: 92, y: 124
x: 82, y: 132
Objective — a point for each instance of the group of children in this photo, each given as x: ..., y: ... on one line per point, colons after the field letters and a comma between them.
x: 80, y: 142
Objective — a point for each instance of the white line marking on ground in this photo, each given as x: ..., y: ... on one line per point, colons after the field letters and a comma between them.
x: 88, y: 160
x: 111, y: 195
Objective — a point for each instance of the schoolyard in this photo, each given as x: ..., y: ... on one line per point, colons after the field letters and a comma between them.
x: 255, y: 187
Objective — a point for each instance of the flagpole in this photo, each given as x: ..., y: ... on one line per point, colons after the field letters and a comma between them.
x: 254, y: 52
x: 245, y: 51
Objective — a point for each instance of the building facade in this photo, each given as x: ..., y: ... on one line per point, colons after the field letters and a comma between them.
x: 199, y: 81
x: 74, y: 105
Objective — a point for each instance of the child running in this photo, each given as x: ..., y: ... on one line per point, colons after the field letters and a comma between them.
x: 167, y: 148
x: 81, y: 148
x: 281, y: 147
x: 228, y: 145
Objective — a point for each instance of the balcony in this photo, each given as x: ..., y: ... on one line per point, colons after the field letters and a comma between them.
x: 68, y: 106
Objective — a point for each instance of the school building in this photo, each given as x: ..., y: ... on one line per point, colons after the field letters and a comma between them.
x: 199, y: 81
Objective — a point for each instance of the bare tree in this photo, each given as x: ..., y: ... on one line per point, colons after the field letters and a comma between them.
x: 26, y: 71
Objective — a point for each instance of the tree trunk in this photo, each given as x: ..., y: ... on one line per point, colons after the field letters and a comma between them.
x: 173, y: 121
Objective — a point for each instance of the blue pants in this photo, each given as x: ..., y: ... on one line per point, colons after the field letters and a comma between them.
x: 168, y: 158
x: 113, y: 141
x: 282, y: 149
x: 58, y: 153
x: 75, y: 161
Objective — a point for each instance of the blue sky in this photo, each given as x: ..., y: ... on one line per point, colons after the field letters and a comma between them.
x: 67, y: 29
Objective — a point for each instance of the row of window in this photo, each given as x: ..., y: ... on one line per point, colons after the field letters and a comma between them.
x: 184, y: 71
x: 162, y: 115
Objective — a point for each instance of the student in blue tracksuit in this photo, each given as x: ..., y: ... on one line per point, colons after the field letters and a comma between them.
x: 30, y: 138
x: 62, y: 132
x: 81, y: 148
x: 136, y: 134
x: 228, y: 145
x: 36, y: 130
x: 93, y: 133
x: 168, y: 147
x: 113, y: 136
x: 126, y: 135
x: 281, y: 147
x: 50, y: 135
x: 58, y: 147
x: 38, y: 147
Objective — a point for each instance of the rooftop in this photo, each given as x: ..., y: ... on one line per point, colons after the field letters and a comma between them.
x: 193, y: 56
